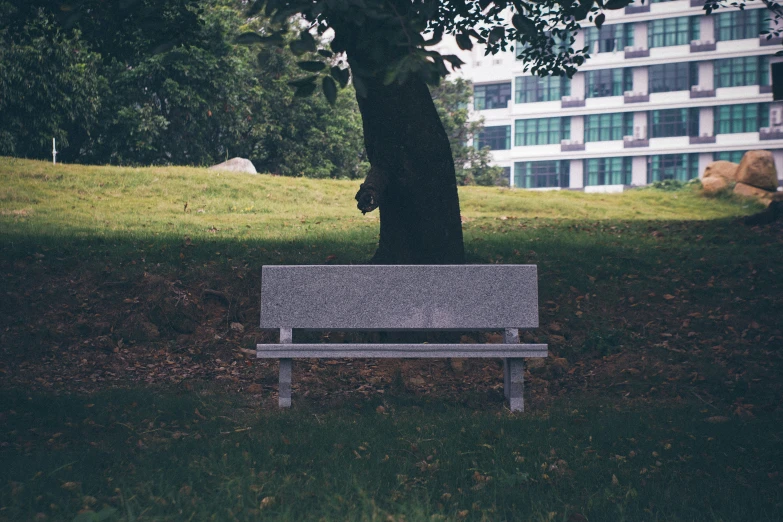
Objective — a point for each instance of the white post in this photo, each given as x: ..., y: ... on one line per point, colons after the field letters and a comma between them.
x: 54, y: 152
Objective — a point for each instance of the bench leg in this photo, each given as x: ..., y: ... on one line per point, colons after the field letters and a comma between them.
x: 284, y: 388
x: 516, y: 372
x: 505, y: 378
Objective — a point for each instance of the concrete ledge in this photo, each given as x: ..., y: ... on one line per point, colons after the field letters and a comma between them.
x: 399, y: 351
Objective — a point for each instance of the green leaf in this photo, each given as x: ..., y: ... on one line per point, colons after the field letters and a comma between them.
x: 249, y: 38
x: 523, y: 24
x: 305, y: 44
x: 496, y: 34
x: 330, y: 89
x: 311, y: 66
x: 454, y: 60
x: 464, y: 42
x: 325, y: 53
x: 599, y: 20
x: 341, y: 75
x: 305, y: 90
x: 617, y: 4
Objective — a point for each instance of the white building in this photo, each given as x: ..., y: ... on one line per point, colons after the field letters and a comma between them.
x: 666, y: 91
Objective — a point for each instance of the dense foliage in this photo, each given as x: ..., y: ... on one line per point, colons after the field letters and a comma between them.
x: 162, y: 82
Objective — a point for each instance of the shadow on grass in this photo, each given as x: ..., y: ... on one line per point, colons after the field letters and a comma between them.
x: 158, y: 454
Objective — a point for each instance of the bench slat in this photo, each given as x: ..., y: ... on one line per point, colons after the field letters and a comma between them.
x: 399, y: 297
x: 390, y: 350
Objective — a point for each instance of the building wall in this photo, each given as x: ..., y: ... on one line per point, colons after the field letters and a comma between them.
x: 703, y: 51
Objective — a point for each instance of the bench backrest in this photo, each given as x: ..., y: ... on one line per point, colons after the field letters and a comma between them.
x: 399, y: 297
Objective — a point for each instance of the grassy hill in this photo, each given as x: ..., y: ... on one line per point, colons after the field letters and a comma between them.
x: 128, y: 386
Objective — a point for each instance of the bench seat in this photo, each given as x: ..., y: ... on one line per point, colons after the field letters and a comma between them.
x: 401, y: 298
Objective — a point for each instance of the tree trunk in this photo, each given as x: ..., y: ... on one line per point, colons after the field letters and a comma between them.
x: 412, y: 178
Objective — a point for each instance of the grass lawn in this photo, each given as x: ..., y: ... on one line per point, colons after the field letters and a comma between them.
x: 128, y: 390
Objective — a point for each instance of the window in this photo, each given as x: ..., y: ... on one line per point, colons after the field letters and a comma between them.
x: 734, y: 156
x: 496, y: 138
x: 608, y: 171
x: 608, y: 127
x: 492, y: 96
x: 672, y: 31
x: 558, y: 43
x: 531, y: 89
x: 608, y: 82
x: 734, y: 72
x: 682, y: 167
x: 609, y: 38
x: 542, y: 131
x: 746, y: 117
x: 538, y: 174
x: 673, y: 77
x: 739, y: 25
x: 674, y: 122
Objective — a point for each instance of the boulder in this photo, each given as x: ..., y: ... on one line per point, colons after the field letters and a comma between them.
x: 236, y: 165
x: 757, y: 169
x: 714, y: 184
x: 721, y: 169
x: 764, y: 196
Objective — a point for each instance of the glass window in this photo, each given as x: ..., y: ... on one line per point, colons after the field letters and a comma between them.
x: 539, y: 174
x: 491, y: 96
x: 608, y: 127
x: 734, y: 156
x: 542, y: 131
x: 746, y: 117
x: 669, y: 77
x: 496, y: 138
x: 608, y: 82
x: 739, y: 25
x: 531, y: 89
x: 682, y: 167
x: 672, y: 31
x: 734, y: 72
x: 608, y: 171
x: 674, y: 122
x: 609, y: 38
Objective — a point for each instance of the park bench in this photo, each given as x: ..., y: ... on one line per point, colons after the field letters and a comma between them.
x: 401, y: 297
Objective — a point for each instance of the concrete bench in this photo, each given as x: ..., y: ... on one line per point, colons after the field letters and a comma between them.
x: 401, y: 297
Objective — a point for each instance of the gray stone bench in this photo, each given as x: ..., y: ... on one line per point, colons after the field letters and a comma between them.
x: 401, y: 297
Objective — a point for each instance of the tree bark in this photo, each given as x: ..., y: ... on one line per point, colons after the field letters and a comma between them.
x: 412, y: 179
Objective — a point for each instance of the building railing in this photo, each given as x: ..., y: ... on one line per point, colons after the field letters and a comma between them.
x: 634, y: 9
x: 767, y: 39
x: 700, y: 46
x: 771, y: 133
x: 632, y: 141
x: 635, y: 97
x: 765, y: 89
x: 569, y: 145
x: 700, y: 92
x: 697, y: 3
x: 571, y: 101
x: 636, y: 52
x: 699, y: 140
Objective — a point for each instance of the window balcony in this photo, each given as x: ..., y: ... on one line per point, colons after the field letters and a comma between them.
x: 635, y: 9
x: 765, y: 89
x: 571, y: 101
x: 697, y: 3
x: 633, y: 142
x: 701, y: 46
x: 635, y: 97
x: 771, y: 133
x: 774, y: 40
x: 636, y: 52
x: 700, y: 140
x: 568, y: 145
x: 699, y: 92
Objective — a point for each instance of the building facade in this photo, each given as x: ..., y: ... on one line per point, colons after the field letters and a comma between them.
x: 667, y: 90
